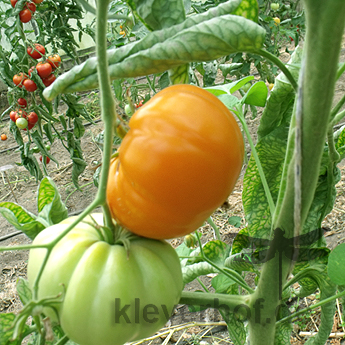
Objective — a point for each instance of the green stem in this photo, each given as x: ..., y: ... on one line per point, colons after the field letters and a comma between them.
x: 214, y: 227
x: 341, y: 70
x: 339, y: 117
x: 107, y: 102
x: 311, y: 307
x: 278, y: 63
x: 217, y: 300
x: 258, y: 163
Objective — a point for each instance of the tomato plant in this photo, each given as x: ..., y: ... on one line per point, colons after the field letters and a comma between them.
x: 86, y: 268
x: 44, y: 69
x: 37, y: 51
x: 25, y: 15
x: 155, y: 188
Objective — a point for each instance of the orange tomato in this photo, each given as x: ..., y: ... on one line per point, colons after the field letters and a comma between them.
x: 178, y: 162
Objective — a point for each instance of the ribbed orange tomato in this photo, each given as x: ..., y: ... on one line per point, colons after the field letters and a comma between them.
x: 179, y: 161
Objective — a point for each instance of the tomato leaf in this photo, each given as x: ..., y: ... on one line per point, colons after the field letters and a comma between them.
x: 79, y: 128
x: 256, y: 95
x: 6, y: 330
x: 180, y: 44
x: 222, y: 283
x: 191, y: 272
x: 47, y: 127
x: 23, y: 290
x: 49, y: 203
x: 37, y: 139
x: 336, y: 265
x: 158, y: 14
x: 216, y: 251
x: 21, y: 219
x: 248, y: 9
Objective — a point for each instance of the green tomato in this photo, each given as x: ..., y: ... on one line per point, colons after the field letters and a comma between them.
x: 22, y: 123
x: 128, y: 110
x: 112, y: 295
x: 274, y: 6
x: 246, y: 87
x: 48, y: 147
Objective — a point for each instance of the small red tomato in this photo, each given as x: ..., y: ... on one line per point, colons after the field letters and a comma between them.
x: 13, y: 3
x: 19, y: 78
x: 54, y: 61
x: 44, y: 69
x: 30, y: 6
x: 32, y: 118
x: 3, y: 137
x: 37, y: 52
x: 31, y: 69
x: 13, y: 115
x: 49, y: 80
x: 47, y: 159
x: 30, y: 126
x: 22, y: 102
x: 25, y: 15
x: 30, y: 85
x: 37, y: 1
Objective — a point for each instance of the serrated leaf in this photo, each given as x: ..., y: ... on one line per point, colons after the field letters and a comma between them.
x: 257, y: 95
x: 6, y: 330
x: 238, y: 263
x: 283, y: 331
x: 21, y: 219
x: 336, y: 265
x: 216, y: 251
x: 236, y: 329
x: 49, y: 203
x: 23, y: 290
x: 193, y: 271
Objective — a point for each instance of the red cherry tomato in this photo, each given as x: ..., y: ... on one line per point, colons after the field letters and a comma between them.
x: 31, y: 69
x: 13, y: 3
x: 22, y: 102
x: 25, y: 15
x: 37, y: 1
x: 32, y: 118
x: 37, y: 52
x: 30, y: 6
x: 44, y: 69
x: 22, y: 113
x: 30, y: 85
x: 19, y: 78
x: 49, y: 80
x: 54, y: 61
x: 13, y: 115
x: 47, y: 159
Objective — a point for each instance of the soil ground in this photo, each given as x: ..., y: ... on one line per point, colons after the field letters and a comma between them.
x: 190, y: 327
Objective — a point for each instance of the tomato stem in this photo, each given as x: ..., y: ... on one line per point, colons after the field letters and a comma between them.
x: 214, y: 227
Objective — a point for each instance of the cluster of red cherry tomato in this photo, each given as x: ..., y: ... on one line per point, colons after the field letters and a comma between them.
x: 22, y: 119
x: 138, y: 105
x: 28, y: 10
x: 44, y: 69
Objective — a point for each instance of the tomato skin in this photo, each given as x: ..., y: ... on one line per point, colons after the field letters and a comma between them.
x: 30, y: 85
x: 32, y: 118
x: 13, y: 115
x: 41, y: 157
x: 25, y: 15
x: 49, y: 80
x: 44, y: 69
x: 37, y: 52
x: 22, y: 123
x: 31, y: 6
x: 93, y: 270
x: 37, y: 1
x: 22, y: 102
x: 178, y: 162
x: 13, y: 3
x: 54, y: 61
x: 19, y: 78
x: 3, y: 137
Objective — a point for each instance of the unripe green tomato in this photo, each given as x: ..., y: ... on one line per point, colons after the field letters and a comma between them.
x: 191, y: 240
x: 48, y: 147
x: 35, y: 150
x: 274, y: 6
x: 22, y: 123
x: 128, y: 110
x: 246, y: 87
